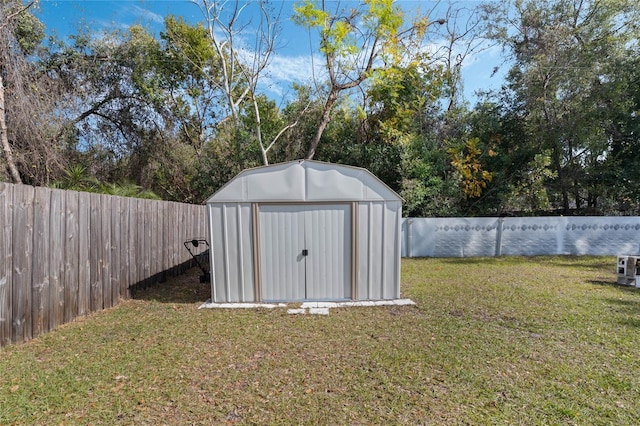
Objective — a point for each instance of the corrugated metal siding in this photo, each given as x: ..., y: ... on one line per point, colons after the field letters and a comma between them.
x: 281, y: 243
x: 230, y: 236
x: 323, y: 230
x: 378, y: 250
x: 328, y: 239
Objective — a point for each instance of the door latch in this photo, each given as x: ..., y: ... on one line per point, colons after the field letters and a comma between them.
x: 305, y: 252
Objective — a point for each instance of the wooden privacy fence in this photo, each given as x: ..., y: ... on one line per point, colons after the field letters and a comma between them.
x: 64, y: 254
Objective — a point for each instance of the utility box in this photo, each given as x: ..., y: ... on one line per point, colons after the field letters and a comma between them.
x: 629, y: 270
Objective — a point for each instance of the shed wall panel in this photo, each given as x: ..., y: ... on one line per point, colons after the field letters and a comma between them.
x: 378, y: 250
x: 281, y: 260
x: 230, y: 236
x: 328, y: 239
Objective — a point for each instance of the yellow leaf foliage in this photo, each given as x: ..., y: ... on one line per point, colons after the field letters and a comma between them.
x: 468, y: 166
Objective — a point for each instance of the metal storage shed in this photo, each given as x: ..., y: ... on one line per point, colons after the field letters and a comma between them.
x: 304, y: 231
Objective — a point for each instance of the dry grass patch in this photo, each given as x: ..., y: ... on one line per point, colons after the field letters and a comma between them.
x: 505, y: 341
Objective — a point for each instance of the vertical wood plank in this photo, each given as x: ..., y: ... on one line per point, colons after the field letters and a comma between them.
x: 116, y: 246
x: 174, y: 249
x: 190, y: 226
x: 147, y: 240
x: 156, y: 258
x: 172, y: 244
x: 150, y: 231
x: 186, y: 232
x: 133, y: 241
x: 40, y: 287
x: 202, y: 222
x: 105, y: 219
x: 95, y: 254
x: 140, y: 242
x: 71, y: 256
x: 22, y: 244
x: 165, y: 240
x: 179, y: 235
x: 6, y: 261
x: 125, y: 245
x: 56, y: 259
x: 84, y: 253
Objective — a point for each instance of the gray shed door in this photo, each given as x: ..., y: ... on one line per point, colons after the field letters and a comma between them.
x: 305, y: 252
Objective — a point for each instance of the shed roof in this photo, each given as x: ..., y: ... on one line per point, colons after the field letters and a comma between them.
x: 304, y: 180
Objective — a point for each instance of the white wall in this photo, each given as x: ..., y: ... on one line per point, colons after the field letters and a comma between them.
x: 528, y: 236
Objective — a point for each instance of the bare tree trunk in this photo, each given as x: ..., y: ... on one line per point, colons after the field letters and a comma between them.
x: 11, y: 164
x: 324, y: 121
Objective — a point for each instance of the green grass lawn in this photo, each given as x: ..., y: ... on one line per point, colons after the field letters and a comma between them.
x: 548, y: 340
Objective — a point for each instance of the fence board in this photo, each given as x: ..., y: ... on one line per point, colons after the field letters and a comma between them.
x: 180, y: 231
x: 56, y: 259
x: 40, y: 288
x: 84, y: 263
x: 105, y: 240
x: 23, y: 198
x: 95, y: 254
x: 125, y: 244
x: 185, y: 230
x: 140, y: 243
x: 153, y: 238
x: 116, y: 244
x: 6, y: 262
x: 71, y: 256
x: 172, y: 240
x: 164, y: 225
x: 147, y: 240
x: 132, y: 203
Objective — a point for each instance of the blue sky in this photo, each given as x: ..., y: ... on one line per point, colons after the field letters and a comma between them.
x: 292, y: 62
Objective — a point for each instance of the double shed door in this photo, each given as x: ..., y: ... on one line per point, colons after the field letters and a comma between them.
x: 305, y: 251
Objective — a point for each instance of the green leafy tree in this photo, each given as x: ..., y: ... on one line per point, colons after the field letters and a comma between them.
x: 529, y: 193
x: 563, y: 51
x: 358, y: 43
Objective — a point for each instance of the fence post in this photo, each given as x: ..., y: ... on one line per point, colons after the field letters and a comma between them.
x: 499, y: 237
x: 408, y: 223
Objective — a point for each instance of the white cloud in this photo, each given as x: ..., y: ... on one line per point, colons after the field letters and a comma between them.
x: 145, y: 14
x: 284, y: 70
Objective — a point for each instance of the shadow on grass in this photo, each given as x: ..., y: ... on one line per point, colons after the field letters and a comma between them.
x: 185, y: 288
x: 596, y: 263
x: 570, y: 261
x: 627, y: 311
x: 613, y: 284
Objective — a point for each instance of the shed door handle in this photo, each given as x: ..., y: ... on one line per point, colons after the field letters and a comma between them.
x: 305, y: 252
